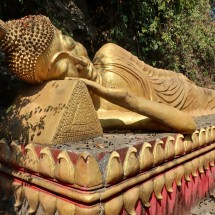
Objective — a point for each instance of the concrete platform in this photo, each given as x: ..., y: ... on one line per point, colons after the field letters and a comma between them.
x: 118, y: 173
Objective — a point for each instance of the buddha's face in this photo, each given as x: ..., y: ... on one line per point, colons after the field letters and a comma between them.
x: 56, y: 62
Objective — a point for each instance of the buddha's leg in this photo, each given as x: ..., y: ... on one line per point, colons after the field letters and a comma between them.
x: 129, y: 120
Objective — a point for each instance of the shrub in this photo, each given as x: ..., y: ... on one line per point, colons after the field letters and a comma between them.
x: 177, y: 35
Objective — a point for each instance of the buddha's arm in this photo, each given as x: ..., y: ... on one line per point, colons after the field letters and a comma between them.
x: 161, y: 113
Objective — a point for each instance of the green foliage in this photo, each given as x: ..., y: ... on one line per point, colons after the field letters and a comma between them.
x: 32, y: 7
x: 177, y: 35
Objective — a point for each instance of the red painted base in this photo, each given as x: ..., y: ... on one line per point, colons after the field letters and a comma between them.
x: 183, y: 198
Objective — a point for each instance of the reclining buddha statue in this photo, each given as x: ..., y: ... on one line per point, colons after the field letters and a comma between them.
x: 126, y: 92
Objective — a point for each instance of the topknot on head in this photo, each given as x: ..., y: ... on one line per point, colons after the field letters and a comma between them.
x: 26, y: 39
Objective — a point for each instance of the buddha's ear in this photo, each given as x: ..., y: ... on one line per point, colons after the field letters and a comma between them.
x: 3, y: 29
x: 57, y: 57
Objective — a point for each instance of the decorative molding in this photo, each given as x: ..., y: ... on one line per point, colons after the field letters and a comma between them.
x: 169, y: 148
x: 208, y: 135
x: 32, y: 197
x: 64, y: 207
x: 195, y: 166
x: 179, y: 174
x: 146, y: 190
x: 18, y: 192
x: 46, y: 163
x: 16, y: 154
x: 158, y: 185
x: 131, y: 164
x: 187, y: 144
x: 195, y: 140
x: 126, y: 199
x: 48, y: 203
x: 87, y: 172
x: 202, y: 137
x: 179, y: 146
x: 169, y: 179
x: 114, y: 169
x: 130, y: 200
x: 95, y: 171
x: 64, y: 181
x: 114, y: 206
x: 64, y: 169
x: 31, y: 160
x: 158, y: 152
x: 187, y: 171
x: 146, y: 157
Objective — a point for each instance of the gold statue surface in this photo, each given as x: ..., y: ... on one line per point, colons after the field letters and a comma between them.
x: 127, y: 93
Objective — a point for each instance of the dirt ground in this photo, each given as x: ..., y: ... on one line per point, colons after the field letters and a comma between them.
x: 206, y: 206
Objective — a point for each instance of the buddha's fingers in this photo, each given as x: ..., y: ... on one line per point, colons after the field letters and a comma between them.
x: 107, y: 93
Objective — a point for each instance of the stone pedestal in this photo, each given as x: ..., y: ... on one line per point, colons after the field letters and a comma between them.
x: 69, y: 167
x: 114, y: 174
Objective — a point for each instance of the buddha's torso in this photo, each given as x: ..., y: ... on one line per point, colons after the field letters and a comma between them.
x: 120, y: 69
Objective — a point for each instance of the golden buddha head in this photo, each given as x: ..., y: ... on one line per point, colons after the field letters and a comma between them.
x: 35, y: 49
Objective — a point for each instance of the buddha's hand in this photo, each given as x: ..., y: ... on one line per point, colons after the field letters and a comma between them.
x: 84, y: 66
x: 107, y: 93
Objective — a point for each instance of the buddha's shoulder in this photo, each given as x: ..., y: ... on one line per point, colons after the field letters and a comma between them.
x: 110, y: 46
x: 111, y: 49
